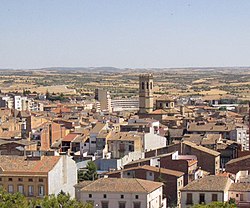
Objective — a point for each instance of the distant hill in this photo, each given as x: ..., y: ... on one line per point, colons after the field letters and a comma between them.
x: 83, y: 69
x: 64, y: 70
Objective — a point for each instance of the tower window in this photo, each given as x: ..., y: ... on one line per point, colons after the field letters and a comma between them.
x: 142, y: 85
x: 147, y: 85
x: 151, y: 85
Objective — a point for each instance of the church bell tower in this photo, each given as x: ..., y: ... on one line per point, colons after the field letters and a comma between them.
x: 146, y: 94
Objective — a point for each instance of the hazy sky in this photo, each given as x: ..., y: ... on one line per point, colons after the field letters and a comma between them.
x: 124, y: 33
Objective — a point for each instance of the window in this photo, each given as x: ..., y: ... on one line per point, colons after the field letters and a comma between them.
x: 122, y: 204
x: 20, y: 189
x: 10, y: 188
x: 241, y: 197
x: 202, y: 199
x: 131, y: 148
x: 20, y: 179
x: 136, y: 204
x: 189, y: 198
x: 214, y: 197
x: 90, y: 195
x: 31, y: 190
x: 10, y: 179
x: 105, y: 196
x: 40, y: 180
x: 151, y: 85
x: 136, y: 197
x: 147, y: 85
x: 41, y: 190
x: 105, y: 204
x: 30, y: 180
x: 142, y: 85
x: 237, y: 195
x: 0, y: 179
x: 122, y: 196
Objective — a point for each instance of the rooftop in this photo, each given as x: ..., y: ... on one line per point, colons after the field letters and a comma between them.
x: 124, y: 185
x: 208, y: 183
x: 12, y: 164
x: 238, y: 159
x: 201, y: 148
x: 211, y: 127
x: 240, y: 187
x: 98, y: 127
x: 125, y: 136
x: 153, y: 169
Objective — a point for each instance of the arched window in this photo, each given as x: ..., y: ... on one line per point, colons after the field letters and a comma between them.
x: 147, y: 85
x: 151, y: 85
x: 142, y: 85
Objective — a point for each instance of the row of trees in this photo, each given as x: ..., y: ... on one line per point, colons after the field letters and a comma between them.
x: 17, y: 200
x: 230, y: 204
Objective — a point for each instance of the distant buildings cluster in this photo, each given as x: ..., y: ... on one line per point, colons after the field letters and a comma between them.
x: 149, y: 152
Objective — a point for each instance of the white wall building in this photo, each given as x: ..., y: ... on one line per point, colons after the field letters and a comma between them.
x: 104, y: 98
x: 37, y: 176
x: 205, y: 190
x: 63, y: 176
x: 125, y: 104
x: 9, y: 101
x: 240, y: 135
x: 121, y: 193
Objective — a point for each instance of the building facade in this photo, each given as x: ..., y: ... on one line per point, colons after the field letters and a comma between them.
x: 121, y: 193
x: 146, y: 94
x: 38, y: 176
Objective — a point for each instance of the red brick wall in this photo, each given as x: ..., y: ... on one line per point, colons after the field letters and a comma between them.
x: 178, y: 165
x: 237, y: 166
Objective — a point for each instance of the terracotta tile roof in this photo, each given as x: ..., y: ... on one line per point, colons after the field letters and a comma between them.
x: 211, y: 139
x: 78, y: 139
x: 98, y: 127
x: 126, y: 136
x: 247, y: 157
x: 12, y: 164
x: 103, y: 134
x: 151, y: 168
x: 208, y: 139
x: 201, y: 148
x: 241, y: 187
x: 194, y: 138
x: 159, y: 111
x: 211, y: 127
x: 208, y: 183
x: 165, y: 98
x: 124, y: 185
x: 9, y: 134
x: 69, y: 137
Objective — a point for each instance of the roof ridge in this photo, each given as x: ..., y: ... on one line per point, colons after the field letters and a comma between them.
x: 137, y: 180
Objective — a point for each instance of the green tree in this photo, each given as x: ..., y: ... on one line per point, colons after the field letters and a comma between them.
x: 91, y: 173
x: 17, y: 200
x: 216, y: 205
